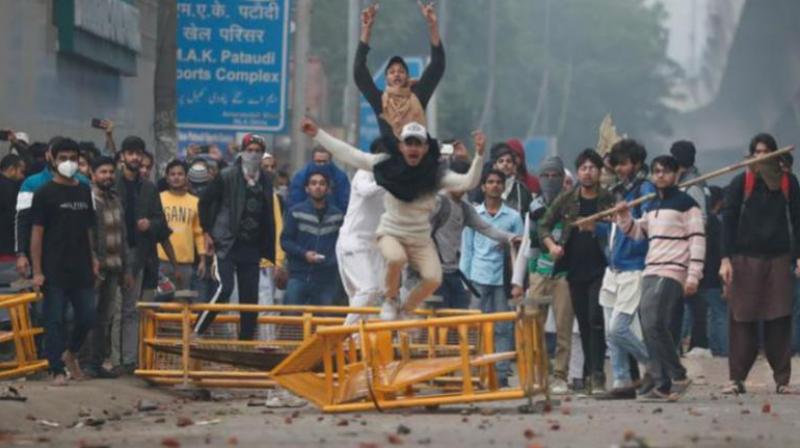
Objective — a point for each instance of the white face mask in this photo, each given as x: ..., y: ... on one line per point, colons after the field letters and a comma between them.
x: 251, y: 162
x: 68, y: 168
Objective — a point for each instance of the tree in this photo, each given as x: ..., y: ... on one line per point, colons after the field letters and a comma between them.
x: 604, y: 57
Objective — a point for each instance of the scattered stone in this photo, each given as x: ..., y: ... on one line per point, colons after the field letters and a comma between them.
x: 766, y: 408
x: 393, y: 439
x: 745, y: 411
x: 170, y: 442
x: 403, y: 430
x: 146, y: 405
x: 342, y: 422
x: 529, y: 434
x: 296, y: 414
x: 256, y: 403
x: 160, y: 420
x: 288, y: 420
x: 184, y: 421
x: 94, y: 422
x: 658, y: 411
x: 233, y: 440
x: 565, y: 410
x: 488, y: 411
x: 425, y: 441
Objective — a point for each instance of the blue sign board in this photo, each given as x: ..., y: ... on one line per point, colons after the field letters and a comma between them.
x: 368, y: 122
x: 232, y: 64
x: 536, y: 150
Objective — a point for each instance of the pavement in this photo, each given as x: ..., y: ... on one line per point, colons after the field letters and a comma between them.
x: 127, y: 412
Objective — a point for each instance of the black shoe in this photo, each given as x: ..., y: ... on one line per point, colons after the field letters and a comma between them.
x: 502, y: 383
x: 647, y: 385
x: 577, y: 385
x: 619, y: 393
x: 102, y: 373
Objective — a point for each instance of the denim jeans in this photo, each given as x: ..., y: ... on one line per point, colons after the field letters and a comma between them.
x: 55, y: 302
x: 452, y: 291
x: 494, y: 300
x: 317, y: 289
x: 622, y: 343
x: 717, y: 320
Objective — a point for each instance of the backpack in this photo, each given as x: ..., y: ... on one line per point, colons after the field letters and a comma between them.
x: 750, y: 184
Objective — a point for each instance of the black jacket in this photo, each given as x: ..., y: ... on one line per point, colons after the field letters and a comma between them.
x: 148, y: 206
x: 8, y: 206
x: 222, y: 204
x: 764, y: 225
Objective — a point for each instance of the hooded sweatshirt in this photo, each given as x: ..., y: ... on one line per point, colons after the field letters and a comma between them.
x: 530, y: 181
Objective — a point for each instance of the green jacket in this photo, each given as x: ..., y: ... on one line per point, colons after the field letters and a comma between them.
x: 565, y: 208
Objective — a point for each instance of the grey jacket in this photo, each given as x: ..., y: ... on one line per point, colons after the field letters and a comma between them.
x: 697, y: 192
x: 448, y: 222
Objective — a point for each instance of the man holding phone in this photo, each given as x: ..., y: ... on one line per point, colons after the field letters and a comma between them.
x: 309, y: 239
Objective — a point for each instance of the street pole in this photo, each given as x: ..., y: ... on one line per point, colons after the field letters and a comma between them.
x: 350, y: 111
x: 300, y: 142
x: 164, y: 124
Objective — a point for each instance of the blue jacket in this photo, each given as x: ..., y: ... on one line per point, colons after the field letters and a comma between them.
x: 23, y: 225
x: 624, y: 252
x: 340, y: 185
x: 304, y: 231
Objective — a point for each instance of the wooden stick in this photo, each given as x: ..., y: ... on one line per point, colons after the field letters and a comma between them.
x: 689, y: 183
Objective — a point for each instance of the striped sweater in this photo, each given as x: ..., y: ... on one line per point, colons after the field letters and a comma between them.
x: 676, y: 234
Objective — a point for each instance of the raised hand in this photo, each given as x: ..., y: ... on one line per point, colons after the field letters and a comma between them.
x: 428, y: 12
x: 368, y: 15
x: 309, y: 127
x: 479, y: 138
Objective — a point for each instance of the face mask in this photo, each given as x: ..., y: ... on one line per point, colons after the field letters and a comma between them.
x: 68, y: 168
x: 251, y: 162
x: 551, y: 187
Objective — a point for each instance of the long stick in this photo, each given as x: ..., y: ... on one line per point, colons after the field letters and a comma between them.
x: 689, y: 183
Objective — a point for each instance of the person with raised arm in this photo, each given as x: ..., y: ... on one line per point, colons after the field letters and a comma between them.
x: 411, y: 173
x: 403, y: 101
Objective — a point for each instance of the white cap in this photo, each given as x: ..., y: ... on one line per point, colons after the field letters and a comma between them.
x: 266, y: 156
x: 415, y: 130
x: 23, y: 137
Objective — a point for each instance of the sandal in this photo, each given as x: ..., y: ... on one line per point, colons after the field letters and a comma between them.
x: 784, y: 389
x: 734, y: 388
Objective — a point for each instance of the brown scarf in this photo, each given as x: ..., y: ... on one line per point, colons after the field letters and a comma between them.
x: 770, y: 171
x: 400, y: 107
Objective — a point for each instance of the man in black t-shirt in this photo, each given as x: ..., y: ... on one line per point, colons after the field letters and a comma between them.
x: 63, y: 261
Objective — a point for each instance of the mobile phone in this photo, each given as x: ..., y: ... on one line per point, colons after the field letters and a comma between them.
x: 320, y: 257
x: 98, y: 123
x: 4, y: 136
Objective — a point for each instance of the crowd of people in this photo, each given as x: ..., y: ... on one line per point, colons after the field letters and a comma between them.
x: 701, y: 269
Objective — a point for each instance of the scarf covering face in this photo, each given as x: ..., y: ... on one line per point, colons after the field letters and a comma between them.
x: 401, y: 106
x: 551, y: 186
x: 770, y: 171
x: 405, y: 182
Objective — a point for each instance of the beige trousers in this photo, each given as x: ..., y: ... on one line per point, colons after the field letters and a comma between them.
x: 420, y: 255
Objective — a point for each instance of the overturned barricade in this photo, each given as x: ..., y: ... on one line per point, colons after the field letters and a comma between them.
x: 170, y: 353
x: 387, y: 365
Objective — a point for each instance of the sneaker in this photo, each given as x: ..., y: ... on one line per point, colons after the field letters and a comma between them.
x: 784, y: 389
x: 559, y: 387
x: 390, y: 310
x: 647, y: 385
x: 577, y: 385
x: 699, y: 353
x: 102, y: 373
x: 598, y: 384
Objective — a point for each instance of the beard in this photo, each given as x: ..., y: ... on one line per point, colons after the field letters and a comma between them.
x: 132, y: 166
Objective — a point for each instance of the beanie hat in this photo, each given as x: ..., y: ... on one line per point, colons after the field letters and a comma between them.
x: 198, y: 174
x: 684, y: 152
x: 551, y: 164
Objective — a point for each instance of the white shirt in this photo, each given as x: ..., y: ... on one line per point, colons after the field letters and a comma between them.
x: 402, y: 219
x: 363, y: 212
